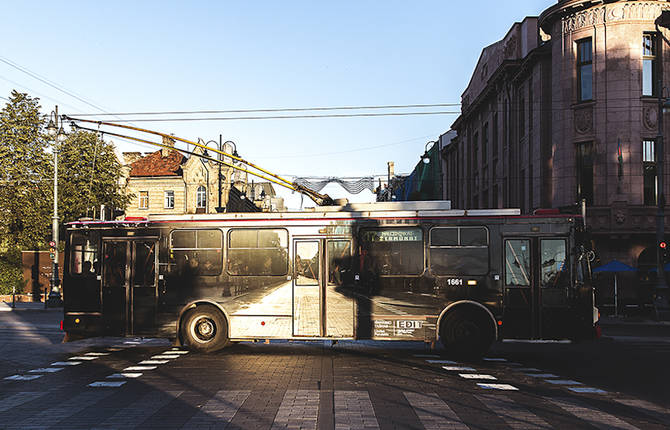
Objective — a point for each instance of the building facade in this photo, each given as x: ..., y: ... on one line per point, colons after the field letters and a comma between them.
x: 167, y: 182
x: 565, y: 108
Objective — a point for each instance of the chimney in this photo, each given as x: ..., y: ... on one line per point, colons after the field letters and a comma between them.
x: 167, y: 142
x: 131, y: 157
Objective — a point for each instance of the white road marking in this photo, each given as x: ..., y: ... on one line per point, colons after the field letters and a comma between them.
x: 46, y: 370
x: 136, y: 368
x: 154, y: 361
x: 218, y: 411
x: 477, y: 376
x: 505, y: 387
x: 97, y: 354
x: 176, y: 351
x: 499, y: 360
x: 353, y: 409
x: 114, y: 349
x: 441, y: 362
x: 528, y: 369
x: 459, y: 369
x: 426, y: 356
x: 165, y: 357
x: 22, y: 377
x: 587, y: 390
x: 595, y: 417
x: 124, y: 375
x: 515, y: 415
x: 542, y: 375
x: 106, y: 384
x: 298, y: 409
x: 85, y: 358
x: 18, y: 399
x: 562, y: 382
x: 66, y: 363
x: 433, y: 412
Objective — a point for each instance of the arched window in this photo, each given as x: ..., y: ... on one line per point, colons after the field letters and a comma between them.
x: 201, y: 198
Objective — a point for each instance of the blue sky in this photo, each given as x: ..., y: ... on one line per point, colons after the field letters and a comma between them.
x: 139, y: 56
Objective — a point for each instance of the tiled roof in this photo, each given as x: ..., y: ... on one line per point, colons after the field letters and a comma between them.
x: 155, y: 164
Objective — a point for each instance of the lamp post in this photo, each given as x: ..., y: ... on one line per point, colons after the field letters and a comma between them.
x: 221, y: 177
x: 58, y: 136
x: 426, y: 157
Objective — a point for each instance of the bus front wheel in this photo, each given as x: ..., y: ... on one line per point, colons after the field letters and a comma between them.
x: 204, y: 329
x: 466, y: 334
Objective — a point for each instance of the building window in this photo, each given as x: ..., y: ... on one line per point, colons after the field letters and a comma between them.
x: 169, y: 200
x: 585, y: 172
x: 585, y: 69
x: 201, y: 197
x: 522, y: 114
x: 143, y: 200
x: 649, y: 172
x: 494, y: 136
x: 485, y: 144
x: 649, y: 69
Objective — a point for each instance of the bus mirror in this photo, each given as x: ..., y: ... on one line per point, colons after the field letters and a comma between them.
x: 357, y: 277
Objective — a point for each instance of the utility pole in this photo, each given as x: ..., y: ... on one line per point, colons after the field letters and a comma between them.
x: 55, y: 131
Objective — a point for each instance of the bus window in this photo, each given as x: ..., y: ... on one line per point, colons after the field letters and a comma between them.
x: 392, y: 251
x: 197, y: 251
x: 84, y: 254
x: 517, y: 263
x: 459, y: 251
x: 257, y: 252
x: 339, y: 260
x: 555, y: 273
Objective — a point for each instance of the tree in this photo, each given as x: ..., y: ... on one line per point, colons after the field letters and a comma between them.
x: 25, y: 174
x: 88, y: 176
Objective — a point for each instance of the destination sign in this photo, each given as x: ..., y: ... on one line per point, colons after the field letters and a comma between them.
x: 405, y: 235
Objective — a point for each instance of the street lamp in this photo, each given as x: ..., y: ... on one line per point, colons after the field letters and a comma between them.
x: 426, y: 157
x: 220, y: 208
x: 58, y: 136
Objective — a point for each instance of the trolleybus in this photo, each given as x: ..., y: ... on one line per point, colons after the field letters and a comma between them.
x: 384, y: 271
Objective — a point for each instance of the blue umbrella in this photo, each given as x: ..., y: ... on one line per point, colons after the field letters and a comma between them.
x: 666, y: 268
x: 615, y: 266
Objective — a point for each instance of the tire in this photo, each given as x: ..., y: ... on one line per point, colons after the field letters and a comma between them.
x: 466, y: 334
x: 204, y: 329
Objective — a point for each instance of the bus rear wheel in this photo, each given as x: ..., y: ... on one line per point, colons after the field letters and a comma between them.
x: 467, y: 335
x: 204, y: 329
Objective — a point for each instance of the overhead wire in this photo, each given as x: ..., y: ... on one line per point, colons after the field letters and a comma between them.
x: 320, y: 108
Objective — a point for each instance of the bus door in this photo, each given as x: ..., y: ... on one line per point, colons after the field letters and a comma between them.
x: 308, y: 280
x: 537, y: 282
x: 129, y: 288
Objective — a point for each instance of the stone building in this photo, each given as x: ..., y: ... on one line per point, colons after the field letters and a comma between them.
x: 167, y: 182
x: 565, y: 107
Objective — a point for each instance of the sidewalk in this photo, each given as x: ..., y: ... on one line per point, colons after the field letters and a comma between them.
x: 26, y: 306
x: 631, y: 321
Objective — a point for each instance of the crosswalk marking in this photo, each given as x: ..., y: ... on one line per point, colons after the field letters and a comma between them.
x: 504, y: 387
x: 154, y: 361
x: 515, y: 415
x: 66, y: 363
x: 85, y: 358
x: 353, y: 409
x: 46, y: 370
x: 133, y: 415
x: 136, y: 368
x: 648, y: 408
x: 595, y: 417
x: 298, y: 409
x: 458, y: 369
x: 433, y: 412
x: 18, y: 399
x: 587, y: 390
x: 99, y: 384
x: 476, y: 376
x: 218, y: 411
x: 124, y: 375
x: 22, y: 377
x: 441, y: 362
x: 562, y: 382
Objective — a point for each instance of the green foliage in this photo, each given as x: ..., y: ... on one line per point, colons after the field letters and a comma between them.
x: 89, y: 174
x: 10, y: 272
x: 24, y: 174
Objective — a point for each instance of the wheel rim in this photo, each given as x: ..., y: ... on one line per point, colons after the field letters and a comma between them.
x: 203, y: 329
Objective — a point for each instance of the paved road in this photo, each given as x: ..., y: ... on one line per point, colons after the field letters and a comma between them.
x: 146, y: 383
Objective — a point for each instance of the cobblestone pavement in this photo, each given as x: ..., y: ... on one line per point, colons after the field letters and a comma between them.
x: 114, y: 383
